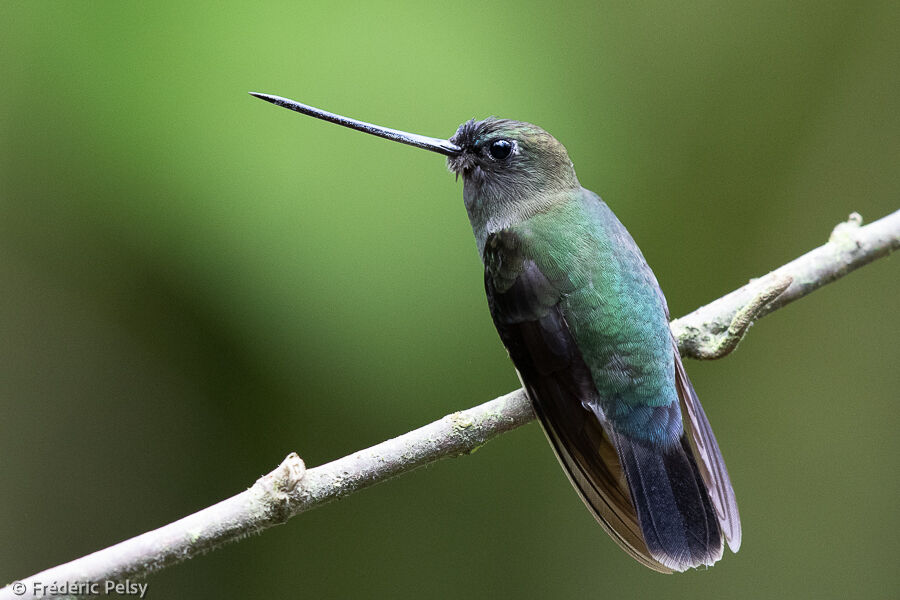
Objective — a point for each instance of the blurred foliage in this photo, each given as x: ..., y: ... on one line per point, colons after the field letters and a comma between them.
x: 195, y: 283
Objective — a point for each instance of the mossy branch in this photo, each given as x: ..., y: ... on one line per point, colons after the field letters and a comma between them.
x: 709, y: 332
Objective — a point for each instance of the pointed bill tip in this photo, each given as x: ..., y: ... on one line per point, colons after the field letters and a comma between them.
x: 266, y: 97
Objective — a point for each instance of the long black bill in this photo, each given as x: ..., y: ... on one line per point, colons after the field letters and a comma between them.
x: 440, y: 146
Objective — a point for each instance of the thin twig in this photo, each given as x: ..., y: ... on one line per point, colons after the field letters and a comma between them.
x: 849, y: 247
x: 711, y: 331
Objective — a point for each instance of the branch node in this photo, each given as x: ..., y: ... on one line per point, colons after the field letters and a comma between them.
x: 276, y: 489
x: 845, y: 230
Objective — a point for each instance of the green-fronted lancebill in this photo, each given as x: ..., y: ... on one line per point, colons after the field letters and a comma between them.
x: 587, y: 327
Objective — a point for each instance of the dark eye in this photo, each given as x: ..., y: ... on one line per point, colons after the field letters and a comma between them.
x: 500, y: 149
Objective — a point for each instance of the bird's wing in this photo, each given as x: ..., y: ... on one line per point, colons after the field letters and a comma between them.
x: 705, y: 449
x: 524, y: 303
x: 703, y: 444
x: 709, y: 458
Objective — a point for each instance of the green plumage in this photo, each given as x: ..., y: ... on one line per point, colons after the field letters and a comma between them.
x: 613, y: 306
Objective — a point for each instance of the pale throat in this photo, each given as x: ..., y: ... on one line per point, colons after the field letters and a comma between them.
x: 492, y: 214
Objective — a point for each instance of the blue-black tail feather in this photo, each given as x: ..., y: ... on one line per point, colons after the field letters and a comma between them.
x: 677, y: 518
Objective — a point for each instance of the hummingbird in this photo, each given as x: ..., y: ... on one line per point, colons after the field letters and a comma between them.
x: 586, y: 326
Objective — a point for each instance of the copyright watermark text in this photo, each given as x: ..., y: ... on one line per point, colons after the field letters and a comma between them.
x: 40, y: 589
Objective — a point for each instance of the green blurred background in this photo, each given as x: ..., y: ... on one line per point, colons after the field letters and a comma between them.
x: 195, y: 283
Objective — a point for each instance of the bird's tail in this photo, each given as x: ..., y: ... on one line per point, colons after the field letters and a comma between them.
x: 676, y: 515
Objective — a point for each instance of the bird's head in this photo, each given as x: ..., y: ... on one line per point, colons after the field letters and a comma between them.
x: 510, y: 158
x: 511, y: 170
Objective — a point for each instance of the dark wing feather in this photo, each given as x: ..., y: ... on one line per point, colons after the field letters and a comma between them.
x: 524, y: 305
x: 709, y: 458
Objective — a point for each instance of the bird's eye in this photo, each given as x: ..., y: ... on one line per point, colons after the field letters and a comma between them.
x: 500, y: 149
